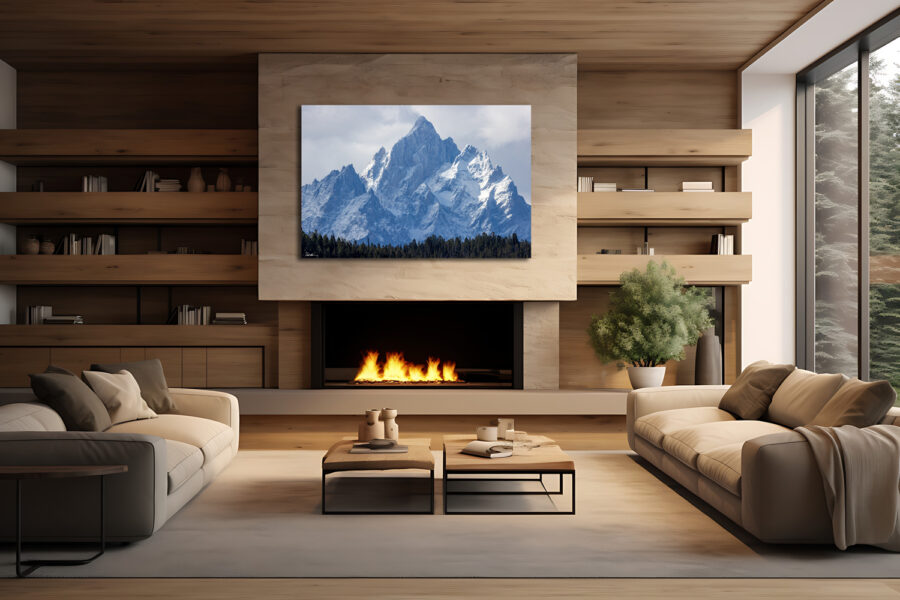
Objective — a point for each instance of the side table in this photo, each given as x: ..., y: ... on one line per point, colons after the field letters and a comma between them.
x: 20, y: 474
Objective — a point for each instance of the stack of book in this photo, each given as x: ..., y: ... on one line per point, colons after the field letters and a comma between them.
x: 722, y: 244
x: 604, y: 187
x: 168, y: 185
x: 73, y: 243
x: 585, y: 184
x: 192, y: 315
x: 94, y: 183
x: 37, y: 313
x: 230, y: 318
x: 697, y: 186
x: 249, y: 247
x: 64, y: 320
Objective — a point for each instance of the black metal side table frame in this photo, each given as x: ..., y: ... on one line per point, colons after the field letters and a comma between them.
x: 325, y: 510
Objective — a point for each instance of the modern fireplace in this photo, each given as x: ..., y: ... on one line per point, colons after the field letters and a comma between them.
x: 417, y: 344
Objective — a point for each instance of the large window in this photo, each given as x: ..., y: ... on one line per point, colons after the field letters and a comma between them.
x: 848, y: 217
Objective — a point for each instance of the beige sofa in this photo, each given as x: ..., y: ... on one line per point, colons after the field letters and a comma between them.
x: 760, y: 474
x: 170, y: 460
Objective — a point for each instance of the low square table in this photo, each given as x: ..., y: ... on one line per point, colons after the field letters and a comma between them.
x: 338, y: 459
x: 545, y: 458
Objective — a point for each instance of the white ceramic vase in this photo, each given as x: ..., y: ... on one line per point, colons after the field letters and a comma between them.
x: 644, y: 377
x: 195, y: 183
x: 373, y: 428
x: 223, y: 181
x: 391, y: 430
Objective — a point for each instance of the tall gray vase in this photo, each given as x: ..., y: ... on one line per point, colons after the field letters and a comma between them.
x: 708, y: 363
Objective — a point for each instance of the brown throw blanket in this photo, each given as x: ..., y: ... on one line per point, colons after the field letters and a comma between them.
x: 861, y: 472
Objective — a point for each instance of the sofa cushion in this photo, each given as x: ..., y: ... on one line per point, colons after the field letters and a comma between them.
x: 802, y: 395
x: 751, y: 393
x: 120, y: 394
x: 857, y: 403
x: 151, y: 379
x: 29, y: 417
x: 76, y: 403
x: 723, y: 465
x: 210, y: 436
x: 687, y: 444
x: 182, y: 461
x: 655, y: 426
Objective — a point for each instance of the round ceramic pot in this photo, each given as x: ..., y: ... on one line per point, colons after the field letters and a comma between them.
x: 31, y: 246
x: 644, y: 377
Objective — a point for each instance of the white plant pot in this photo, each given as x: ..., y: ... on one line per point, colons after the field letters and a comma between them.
x: 644, y: 377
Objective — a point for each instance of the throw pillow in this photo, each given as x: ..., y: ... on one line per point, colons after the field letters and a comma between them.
x: 751, y: 393
x: 857, y: 403
x: 78, y: 406
x: 802, y: 395
x: 150, y: 377
x: 121, y: 395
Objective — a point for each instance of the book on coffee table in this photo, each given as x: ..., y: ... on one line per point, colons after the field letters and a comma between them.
x: 488, y: 449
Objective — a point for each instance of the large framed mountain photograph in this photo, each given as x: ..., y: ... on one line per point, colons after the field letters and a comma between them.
x: 405, y: 181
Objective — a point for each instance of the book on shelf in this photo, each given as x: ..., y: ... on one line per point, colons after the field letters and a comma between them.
x: 147, y: 183
x: 585, y: 183
x: 249, y: 247
x: 75, y: 244
x: 94, y: 183
x: 168, y: 185
x: 64, y: 320
x: 697, y: 186
x: 722, y: 244
x: 609, y: 251
x: 37, y: 313
x: 604, y: 187
x: 230, y: 318
x: 185, y: 314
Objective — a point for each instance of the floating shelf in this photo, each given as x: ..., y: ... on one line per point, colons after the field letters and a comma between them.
x: 129, y: 269
x: 697, y: 269
x: 884, y: 268
x: 663, y: 208
x: 663, y: 147
x: 128, y: 207
x: 35, y: 147
x: 137, y: 335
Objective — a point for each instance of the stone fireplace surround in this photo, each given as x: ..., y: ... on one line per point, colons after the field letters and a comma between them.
x: 547, y: 82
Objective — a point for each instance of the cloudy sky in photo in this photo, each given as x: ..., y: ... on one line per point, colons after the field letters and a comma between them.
x: 333, y: 136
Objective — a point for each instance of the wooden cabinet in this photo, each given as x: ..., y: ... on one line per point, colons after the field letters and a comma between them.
x: 17, y: 363
x: 80, y: 359
x: 234, y: 367
x: 193, y: 367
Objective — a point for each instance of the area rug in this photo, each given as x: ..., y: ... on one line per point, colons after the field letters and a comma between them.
x: 261, y: 518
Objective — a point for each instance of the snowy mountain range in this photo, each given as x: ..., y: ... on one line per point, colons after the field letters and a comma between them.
x: 423, y: 186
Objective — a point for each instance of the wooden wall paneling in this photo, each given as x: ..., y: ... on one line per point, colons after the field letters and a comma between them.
x: 234, y: 367
x: 193, y: 367
x: 697, y: 269
x: 155, y: 307
x: 732, y: 179
x: 658, y: 208
x: 592, y: 239
x: 137, y: 239
x: 623, y: 177
x: 681, y: 240
x: 656, y: 99
x: 668, y: 179
x: 171, y: 359
x: 138, y: 335
x: 540, y: 341
x: 579, y: 367
x: 133, y: 354
x: 17, y: 363
x: 78, y: 359
x: 137, y: 98
x: 109, y: 305
x: 294, y: 345
x: 664, y: 147
x: 547, y: 82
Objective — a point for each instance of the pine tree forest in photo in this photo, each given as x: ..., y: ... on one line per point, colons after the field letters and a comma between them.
x: 836, y: 306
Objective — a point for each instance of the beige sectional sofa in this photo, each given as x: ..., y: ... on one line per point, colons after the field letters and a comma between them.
x: 170, y: 459
x: 761, y: 474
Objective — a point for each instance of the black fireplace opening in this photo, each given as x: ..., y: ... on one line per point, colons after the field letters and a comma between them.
x: 443, y: 344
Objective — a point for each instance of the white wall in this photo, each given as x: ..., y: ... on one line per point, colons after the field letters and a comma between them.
x: 768, y: 305
x: 7, y: 184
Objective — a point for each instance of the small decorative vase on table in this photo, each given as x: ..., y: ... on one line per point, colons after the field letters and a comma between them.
x: 195, y: 183
x: 389, y: 417
x: 373, y: 428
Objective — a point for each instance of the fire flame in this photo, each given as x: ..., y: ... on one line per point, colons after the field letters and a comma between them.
x: 398, y: 369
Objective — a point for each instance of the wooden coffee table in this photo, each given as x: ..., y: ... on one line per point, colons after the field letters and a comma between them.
x: 546, y: 458
x: 338, y: 460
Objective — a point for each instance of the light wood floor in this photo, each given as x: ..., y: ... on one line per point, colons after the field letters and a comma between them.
x: 409, y: 589
x: 289, y: 432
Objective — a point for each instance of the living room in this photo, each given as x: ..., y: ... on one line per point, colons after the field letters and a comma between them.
x: 443, y: 299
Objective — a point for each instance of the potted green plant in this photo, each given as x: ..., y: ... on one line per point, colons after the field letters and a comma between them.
x: 652, y: 316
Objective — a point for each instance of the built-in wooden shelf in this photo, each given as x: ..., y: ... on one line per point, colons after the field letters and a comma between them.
x: 663, y: 208
x: 129, y: 207
x: 137, y: 335
x: 35, y: 147
x: 663, y: 147
x: 697, y: 269
x: 884, y: 268
x: 129, y: 269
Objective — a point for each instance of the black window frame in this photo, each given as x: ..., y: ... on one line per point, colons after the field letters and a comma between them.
x: 855, y: 50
